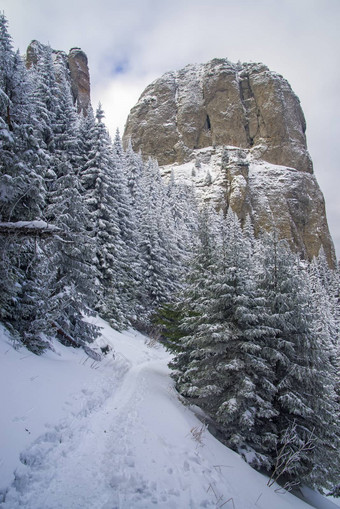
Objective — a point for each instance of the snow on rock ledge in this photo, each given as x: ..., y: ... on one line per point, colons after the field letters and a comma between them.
x: 274, y: 196
x: 237, y: 131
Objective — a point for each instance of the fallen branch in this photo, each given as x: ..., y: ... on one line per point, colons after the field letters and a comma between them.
x: 69, y: 340
x: 29, y: 229
x: 65, y: 335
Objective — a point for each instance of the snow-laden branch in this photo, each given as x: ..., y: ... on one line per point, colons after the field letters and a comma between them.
x: 29, y: 228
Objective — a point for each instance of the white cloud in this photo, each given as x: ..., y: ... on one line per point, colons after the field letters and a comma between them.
x: 118, y: 97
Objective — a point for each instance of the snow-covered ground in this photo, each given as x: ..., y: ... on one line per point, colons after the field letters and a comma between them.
x: 77, y: 434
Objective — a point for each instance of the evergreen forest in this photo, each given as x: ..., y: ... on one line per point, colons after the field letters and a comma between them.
x: 88, y: 227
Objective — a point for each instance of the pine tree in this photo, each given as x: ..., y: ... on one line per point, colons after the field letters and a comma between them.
x: 183, y: 209
x: 128, y: 230
x: 22, y: 197
x: 226, y: 372
x: 134, y: 169
x: 22, y: 193
x: 103, y: 194
x: 304, y: 376
x: 47, y: 284
x: 190, y: 302
x: 31, y: 309
x: 157, y: 248
x: 74, y: 278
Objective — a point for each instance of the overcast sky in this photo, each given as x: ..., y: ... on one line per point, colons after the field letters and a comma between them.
x: 129, y: 43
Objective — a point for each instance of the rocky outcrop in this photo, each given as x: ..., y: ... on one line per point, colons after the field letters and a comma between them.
x: 33, y: 53
x: 80, y: 78
x: 237, y: 131
x: 273, y: 196
x: 73, y: 67
x: 220, y: 103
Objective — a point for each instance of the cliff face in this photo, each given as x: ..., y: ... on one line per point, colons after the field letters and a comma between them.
x: 217, y: 104
x: 238, y: 132
x: 79, y: 78
x: 73, y: 66
x: 274, y: 196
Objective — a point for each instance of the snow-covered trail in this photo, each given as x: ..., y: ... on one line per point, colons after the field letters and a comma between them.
x: 131, y: 445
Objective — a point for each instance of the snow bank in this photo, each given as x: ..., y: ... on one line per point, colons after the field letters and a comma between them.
x: 113, y: 435
x: 37, y: 392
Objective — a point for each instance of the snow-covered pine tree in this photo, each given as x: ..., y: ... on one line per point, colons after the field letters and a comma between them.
x: 324, y: 288
x: 134, y: 171
x: 102, y: 193
x: 226, y: 373
x: 179, y: 224
x: 127, y: 222
x: 325, y: 303
x: 190, y: 302
x: 72, y: 293
x: 330, y: 282
x: 122, y: 192
x: 22, y: 198
x: 183, y: 208
x: 22, y: 189
x: 337, y: 321
x: 157, y: 245
x: 44, y: 97
x: 31, y: 310
x: 304, y: 376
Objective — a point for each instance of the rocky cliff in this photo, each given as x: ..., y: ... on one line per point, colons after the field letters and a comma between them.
x: 237, y: 131
x: 73, y: 66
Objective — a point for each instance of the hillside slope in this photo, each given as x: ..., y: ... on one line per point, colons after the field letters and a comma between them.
x: 113, y: 435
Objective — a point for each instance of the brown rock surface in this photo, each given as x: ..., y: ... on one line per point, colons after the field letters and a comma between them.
x: 243, y: 125
x: 274, y: 196
x: 33, y: 53
x: 80, y: 78
x: 220, y: 103
x: 74, y: 67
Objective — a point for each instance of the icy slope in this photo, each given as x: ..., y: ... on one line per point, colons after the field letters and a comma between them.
x: 113, y: 435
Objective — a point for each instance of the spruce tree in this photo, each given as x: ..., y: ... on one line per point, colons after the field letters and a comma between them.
x: 304, y: 376
x: 134, y: 170
x: 74, y: 278
x: 103, y: 195
x: 157, y: 248
x: 226, y: 373
x: 22, y: 198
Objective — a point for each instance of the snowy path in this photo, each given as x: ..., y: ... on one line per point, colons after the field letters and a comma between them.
x: 130, y: 445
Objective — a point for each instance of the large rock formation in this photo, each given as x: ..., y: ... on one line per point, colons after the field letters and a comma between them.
x: 74, y: 67
x: 216, y: 104
x: 238, y: 132
x: 80, y: 78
